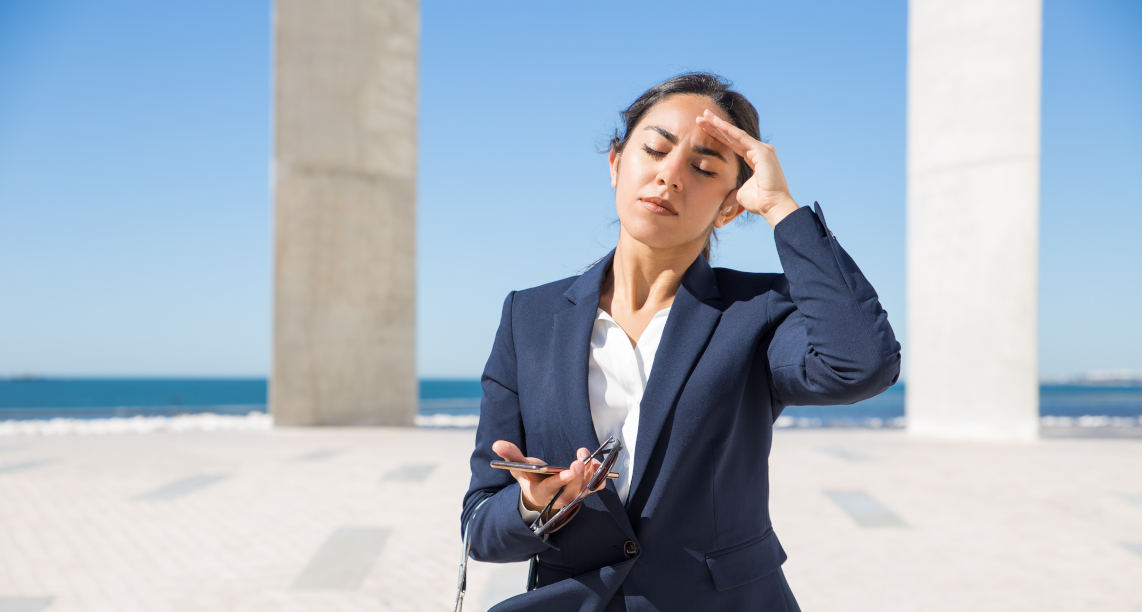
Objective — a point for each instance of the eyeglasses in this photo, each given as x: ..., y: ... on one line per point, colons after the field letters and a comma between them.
x: 566, y: 512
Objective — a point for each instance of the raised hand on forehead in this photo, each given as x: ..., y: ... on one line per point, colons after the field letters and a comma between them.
x: 766, y: 192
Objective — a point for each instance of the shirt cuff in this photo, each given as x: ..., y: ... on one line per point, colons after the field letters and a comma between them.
x: 528, y: 516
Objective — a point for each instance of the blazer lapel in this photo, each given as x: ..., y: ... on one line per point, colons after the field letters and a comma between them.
x: 688, y: 328
x: 571, y: 350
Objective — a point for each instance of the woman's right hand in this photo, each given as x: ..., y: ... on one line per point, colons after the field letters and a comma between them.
x: 538, y: 489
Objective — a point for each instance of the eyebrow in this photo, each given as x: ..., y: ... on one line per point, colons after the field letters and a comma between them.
x: 674, y: 140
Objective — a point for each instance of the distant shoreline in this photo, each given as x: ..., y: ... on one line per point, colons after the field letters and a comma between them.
x: 1050, y: 427
x: 80, y: 405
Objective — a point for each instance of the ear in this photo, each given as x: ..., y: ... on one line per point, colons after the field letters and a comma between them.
x: 613, y: 160
x: 729, y: 209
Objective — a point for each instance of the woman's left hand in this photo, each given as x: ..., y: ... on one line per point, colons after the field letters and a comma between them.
x: 765, y: 193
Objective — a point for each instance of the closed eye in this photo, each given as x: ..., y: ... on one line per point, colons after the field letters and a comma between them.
x: 659, y: 154
x: 652, y: 152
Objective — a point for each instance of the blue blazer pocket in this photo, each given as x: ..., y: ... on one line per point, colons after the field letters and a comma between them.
x: 745, y: 561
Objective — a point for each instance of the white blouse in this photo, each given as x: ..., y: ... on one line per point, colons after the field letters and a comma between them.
x: 616, y: 379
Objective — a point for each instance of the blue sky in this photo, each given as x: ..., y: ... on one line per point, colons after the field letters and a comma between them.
x: 136, y: 145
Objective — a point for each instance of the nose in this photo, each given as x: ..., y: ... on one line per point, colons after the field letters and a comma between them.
x: 670, y: 172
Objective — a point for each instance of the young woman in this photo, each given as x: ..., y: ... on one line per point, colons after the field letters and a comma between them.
x: 674, y: 371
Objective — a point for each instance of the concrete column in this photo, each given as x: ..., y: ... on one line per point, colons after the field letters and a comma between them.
x: 973, y: 218
x: 344, y: 212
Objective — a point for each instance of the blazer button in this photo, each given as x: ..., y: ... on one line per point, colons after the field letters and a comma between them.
x: 630, y: 548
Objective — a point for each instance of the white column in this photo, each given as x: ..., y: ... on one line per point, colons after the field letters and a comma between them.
x: 345, y: 212
x: 973, y: 218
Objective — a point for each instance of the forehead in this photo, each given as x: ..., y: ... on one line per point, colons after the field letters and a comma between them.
x: 676, y: 114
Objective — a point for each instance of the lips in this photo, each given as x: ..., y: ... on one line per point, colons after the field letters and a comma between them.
x: 661, y: 203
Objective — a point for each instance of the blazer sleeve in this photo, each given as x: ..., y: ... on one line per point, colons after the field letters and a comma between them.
x: 499, y: 533
x: 832, y: 343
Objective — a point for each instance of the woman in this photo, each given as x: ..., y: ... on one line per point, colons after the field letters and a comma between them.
x: 687, y: 366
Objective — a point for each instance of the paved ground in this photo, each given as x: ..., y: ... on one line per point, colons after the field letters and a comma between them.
x: 367, y: 519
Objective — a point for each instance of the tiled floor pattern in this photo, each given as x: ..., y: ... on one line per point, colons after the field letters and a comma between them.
x: 367, y: 519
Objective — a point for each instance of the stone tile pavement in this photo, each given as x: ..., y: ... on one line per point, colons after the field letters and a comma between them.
x: 325, y: 519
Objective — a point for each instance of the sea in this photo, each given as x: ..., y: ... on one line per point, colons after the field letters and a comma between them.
x: 63, y: 405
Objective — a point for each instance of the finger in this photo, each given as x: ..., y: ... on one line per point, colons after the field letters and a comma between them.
x: 544, y: 489
x: 510, y: 452
x: 556, y: 486
x: 589, y: 471
x: 735, y: 146
x: 528, y: 480
x: 729, y: 129
x: 569, y: 493
x: 546, y: 486
x: 740, y: 146
x: 507, y: 450
x: 537, y: 498
x: 729, y: 134
x: 597, y: 465
x: 582, y: 453
x: 572, y: 476
x: 712, y: 129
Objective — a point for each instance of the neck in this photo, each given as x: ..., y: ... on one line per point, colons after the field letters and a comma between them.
x: 642, y: 276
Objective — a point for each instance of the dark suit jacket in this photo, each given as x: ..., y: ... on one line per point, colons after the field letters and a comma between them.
x: 695, y: 533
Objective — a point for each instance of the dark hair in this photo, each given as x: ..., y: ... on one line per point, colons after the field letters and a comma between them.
x: 742, y: 114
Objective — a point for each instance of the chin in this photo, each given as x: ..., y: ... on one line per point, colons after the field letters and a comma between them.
x: 653, y: 237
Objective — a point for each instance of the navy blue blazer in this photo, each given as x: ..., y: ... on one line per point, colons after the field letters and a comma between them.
x: 695, y: 533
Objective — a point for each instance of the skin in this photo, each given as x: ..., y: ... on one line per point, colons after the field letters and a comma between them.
x: 657, y: 244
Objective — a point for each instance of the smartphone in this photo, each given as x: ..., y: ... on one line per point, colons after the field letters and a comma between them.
x: 536, y: 469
